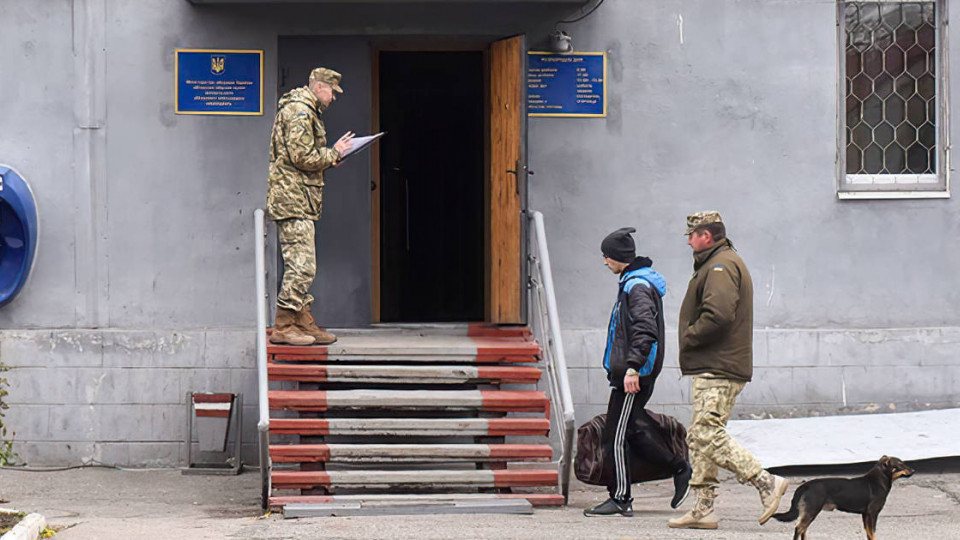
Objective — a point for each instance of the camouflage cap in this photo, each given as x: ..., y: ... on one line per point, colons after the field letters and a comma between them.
x: 327, y: 76
x: 695, y: 221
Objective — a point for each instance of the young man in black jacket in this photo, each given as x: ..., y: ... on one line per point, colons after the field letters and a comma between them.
x: 632, y: 359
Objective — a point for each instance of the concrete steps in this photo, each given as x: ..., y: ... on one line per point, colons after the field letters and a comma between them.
x: 385, y: 395
x: 536, y: 499
x: 411, y: 348
x: 399, y: 453
x: 411, y: 427
x: 392, y: 374
x: 433, y: 478
x: 480, y: 400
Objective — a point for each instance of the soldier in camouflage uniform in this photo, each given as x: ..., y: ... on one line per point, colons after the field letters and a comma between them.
x: 298, y: 158
x: 716, y: 348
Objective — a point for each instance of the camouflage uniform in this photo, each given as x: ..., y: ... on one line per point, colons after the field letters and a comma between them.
x: 298, y: 157
x: 716, y: 347
x: 299, y: 263
x: 710, y: 444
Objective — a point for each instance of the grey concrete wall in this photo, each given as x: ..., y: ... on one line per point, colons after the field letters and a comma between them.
x: 734, y: 109
x: 119, y: 396
x: 146, y: 216
x: 800, y: 372
x: 143, y: 285
x: 739, y: 117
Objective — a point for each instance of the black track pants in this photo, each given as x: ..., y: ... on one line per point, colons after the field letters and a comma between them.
x: 630, y: 430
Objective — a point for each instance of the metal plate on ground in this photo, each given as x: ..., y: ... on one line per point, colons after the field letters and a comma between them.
x: 394, y: 507
x: 835, y: 440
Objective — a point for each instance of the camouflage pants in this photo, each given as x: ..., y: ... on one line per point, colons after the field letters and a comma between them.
x: 299, y: 262
x: 710, y: 444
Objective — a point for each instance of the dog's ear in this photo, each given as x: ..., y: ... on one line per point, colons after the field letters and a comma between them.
x: 885, y: 460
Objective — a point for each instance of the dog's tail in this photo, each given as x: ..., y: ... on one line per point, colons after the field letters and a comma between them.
x: 794, y: 511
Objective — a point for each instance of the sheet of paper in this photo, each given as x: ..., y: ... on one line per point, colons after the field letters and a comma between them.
x: 359, y: 143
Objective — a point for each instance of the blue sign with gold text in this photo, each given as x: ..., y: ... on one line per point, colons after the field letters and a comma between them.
x: 214, y: 81
x: 570, y: 85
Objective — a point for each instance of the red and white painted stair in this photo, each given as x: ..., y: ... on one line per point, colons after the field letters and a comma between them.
x: 410, y: 415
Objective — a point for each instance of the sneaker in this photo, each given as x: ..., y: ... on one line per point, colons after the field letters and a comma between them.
x: 771, y: 488
x: 701, y: 517
x: 681, y: 486
x: 611, y: 507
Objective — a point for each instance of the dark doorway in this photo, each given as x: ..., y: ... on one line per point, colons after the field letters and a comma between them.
x: 431, y: 186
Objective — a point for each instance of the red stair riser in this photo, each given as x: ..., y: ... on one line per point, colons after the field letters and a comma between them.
x: 301, y: 400
x: 509, y: 374
x: 297, y: 453
x: 318, y: 351
x: 519, y: 426
x: 300, y: 479
x: 536, y: 499
x: 489, y: 330
x: 506, y: 401
x: 296, y: 426
x: 505, y: 347
x: 517, y: 451
x: 522, y: 478
x: 280, y: 372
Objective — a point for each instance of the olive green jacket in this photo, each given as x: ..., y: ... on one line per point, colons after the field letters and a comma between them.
x: 298, y: 157
x: 716, y: 317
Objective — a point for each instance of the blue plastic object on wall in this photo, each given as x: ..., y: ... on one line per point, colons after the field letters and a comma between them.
x: 19, y: 232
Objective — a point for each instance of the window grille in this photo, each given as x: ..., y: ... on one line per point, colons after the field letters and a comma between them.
x: 892, y: 131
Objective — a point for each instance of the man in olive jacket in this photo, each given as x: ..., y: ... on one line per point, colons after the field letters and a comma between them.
x: 716, y: 348
x: 298, y: 158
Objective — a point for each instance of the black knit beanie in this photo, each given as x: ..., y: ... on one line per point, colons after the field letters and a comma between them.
x: 619, y: 245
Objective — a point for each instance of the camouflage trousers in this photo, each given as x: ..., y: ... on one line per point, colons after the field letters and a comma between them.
x: 299, y: 262
x: 710, y: 444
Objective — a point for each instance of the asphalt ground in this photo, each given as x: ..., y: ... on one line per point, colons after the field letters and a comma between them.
x: 100, y: 503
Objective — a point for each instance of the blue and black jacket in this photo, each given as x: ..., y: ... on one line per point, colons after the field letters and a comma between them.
x: 635, y: 333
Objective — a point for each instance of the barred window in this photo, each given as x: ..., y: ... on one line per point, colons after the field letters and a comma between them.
x: 893, y: 121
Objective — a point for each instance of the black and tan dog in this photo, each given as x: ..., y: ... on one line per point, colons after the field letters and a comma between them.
x: 864, y: 495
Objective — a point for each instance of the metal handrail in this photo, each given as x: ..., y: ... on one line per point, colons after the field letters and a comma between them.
x: 548, y: 328
x: 263, y: 425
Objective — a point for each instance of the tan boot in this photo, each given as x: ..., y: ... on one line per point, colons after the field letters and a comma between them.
x: 771, y: 488
x: 306, y: 325
x: 285, y: 331
x: 702, y: 516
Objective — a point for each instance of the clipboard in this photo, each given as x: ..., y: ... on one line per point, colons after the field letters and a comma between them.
x: 359, y: 144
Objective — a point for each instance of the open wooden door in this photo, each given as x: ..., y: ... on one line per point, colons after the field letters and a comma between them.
x: 507, y: 179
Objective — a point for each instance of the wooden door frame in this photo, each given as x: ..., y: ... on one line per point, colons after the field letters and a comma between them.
x: 424, y: 44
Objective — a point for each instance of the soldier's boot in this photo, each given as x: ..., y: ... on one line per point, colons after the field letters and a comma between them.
x: 285, y: 331
x: 306, y: 325
x: 702, y: 516
x: 771, y: 488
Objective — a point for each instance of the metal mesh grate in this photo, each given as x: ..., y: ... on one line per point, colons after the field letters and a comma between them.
x: 891, y: 87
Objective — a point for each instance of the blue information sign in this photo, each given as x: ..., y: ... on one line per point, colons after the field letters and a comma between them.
x: 567, y: 84
x: 211, y: 81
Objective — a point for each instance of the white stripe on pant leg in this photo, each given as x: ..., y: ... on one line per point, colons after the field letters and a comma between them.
x: 618, y: 455
x: 621, y: 437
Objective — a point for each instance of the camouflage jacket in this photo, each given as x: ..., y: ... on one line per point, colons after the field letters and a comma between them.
x: 298, y: 157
